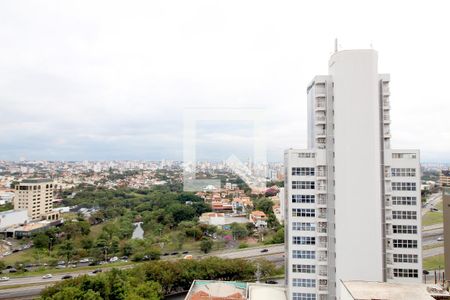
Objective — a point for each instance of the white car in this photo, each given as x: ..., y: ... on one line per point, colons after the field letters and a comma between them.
x: 440, y: 239
x: 113, y: 259
x: 47, y: 276
x: 4, y: 278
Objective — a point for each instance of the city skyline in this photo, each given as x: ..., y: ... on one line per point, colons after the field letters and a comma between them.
x: 114, y: 86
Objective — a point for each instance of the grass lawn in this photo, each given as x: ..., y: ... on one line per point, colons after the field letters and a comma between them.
x: 432, y: 217
x: 436, y: 245
x: 18, y: 256
x: 433, y: 262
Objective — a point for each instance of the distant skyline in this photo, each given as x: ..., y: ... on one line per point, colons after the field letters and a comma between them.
x: 108, y: 80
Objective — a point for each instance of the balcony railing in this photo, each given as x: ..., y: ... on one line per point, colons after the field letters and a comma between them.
x: 321, y: 118
x: 323, y: 287
x: 322, y: 258
x: 322, y: 245
x: 323, y: 272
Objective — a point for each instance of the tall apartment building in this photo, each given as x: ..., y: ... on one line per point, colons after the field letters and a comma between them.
x: 35, y: 195
x: 444, y: 178
x: 353, y: 203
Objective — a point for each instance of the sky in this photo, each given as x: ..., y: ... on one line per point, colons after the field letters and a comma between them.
x: 103, y: 80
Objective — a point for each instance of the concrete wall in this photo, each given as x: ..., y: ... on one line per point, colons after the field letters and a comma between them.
x: 358, y: 207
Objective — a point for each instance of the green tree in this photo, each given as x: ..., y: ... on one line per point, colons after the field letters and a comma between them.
x: 206, y: 245
x: 239, y: 231
x: 67, y: 250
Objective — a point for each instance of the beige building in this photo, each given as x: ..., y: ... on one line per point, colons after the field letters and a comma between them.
x: 36, y: 195
x: 444, y: 178
x: 446, y: 210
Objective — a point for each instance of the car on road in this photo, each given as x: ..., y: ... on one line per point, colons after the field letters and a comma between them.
x: 97, y: 271
x: 185, y: 252
x: 264, y: 250
x: 440, y: 239
x: 12, y: 270
x: 113, y: 259
x: 271, y: 282
x: 165, y: 254
x: 174, y: 253
x: 4, y: 278
x: 47, y: 276
x: 67, y: 277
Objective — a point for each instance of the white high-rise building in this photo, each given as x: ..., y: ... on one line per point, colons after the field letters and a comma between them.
x: 353, y: 203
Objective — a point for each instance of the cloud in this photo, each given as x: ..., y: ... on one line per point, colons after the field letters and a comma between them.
x: 109, y: 80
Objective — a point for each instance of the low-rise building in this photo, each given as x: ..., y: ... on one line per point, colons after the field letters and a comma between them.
x: 234, y: 290
x: 13, y: 217
x: 369, y: 290
x: 221, y: 219
x: 258, y: 218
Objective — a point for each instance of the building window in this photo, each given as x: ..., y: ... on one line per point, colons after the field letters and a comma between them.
x: 303, y: 185
x: 303, y: 296
x: 305, y: 254
x: 407, y: 273
x: 405, y: 258
x: 403, y: 186
x: 303, y: 268
x: 303, y: 212
x: 303, y: 240
x: 404, y: 155
x: 405, y: 244
x: 303, y: 171
x: 403, y: 172
x: 304, y: 282
x: 303, y: 226
x: 404, y: 229
x: 303, y: 198
x: 306, y: 155
x: 404, y: 215
x: 404, y: 200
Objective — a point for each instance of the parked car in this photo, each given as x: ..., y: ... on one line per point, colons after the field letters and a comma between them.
x: 440, y: 239
x: 4, y: 278
x: 47, y: 276
x: 67, y: 277
x: 174, y: 253
x: 113, y: 259
x: 97, y: 271
x: 271, y: 282
x: 185, y: 252
x: 264, y: 250
x: 12, y: 270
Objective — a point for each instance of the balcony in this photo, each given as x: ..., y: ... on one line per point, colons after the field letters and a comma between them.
x: 386, y: 104
x: 321, y: 119
x: 323, y: 272
x: 386, y: 119
x: 323, y: 287
x: 322, y: 258
x: 320, y: 105
x: 322, y: 215
x: 322, y: 200
x: 321, y: 133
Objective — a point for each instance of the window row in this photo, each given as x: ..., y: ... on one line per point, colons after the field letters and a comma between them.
x: 404, y: 155
x: 303, y: 296
x: 409, y: 273
x: 304, y: 254
x: 303, y: 212
x: 303, y: 198
x: 404, y: 215
x: 403, y: 186
x: 404, y: 229
x: 306, y: 155
x: 304, y: 282
x: 303, y: 240
x: 303, y: 268
x: 303, y: 171
x: 404, y: 200
x: 303, y: 185
x: 403, y: 172
x: 405, y: 243
x: 303, y: 226
x: 405, y: 258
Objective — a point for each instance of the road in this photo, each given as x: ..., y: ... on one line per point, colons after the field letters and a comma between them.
x: 275, y: 254
x: 431, y: 202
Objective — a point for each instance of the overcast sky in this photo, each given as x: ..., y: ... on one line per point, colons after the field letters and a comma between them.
x: 110, y: 80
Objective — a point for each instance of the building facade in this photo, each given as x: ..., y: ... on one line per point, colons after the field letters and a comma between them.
x: 444, y: 178
x: 35, y: 195
x: 352, y: 203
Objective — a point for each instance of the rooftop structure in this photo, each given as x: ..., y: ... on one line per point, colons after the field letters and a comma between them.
x: 367, y: 290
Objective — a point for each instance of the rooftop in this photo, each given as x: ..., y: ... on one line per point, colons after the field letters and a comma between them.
x: 369, y: 290
x: 37, y: 180
x: 217, y: 290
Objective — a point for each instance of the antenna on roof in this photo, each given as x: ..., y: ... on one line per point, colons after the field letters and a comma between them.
x: 335, y: 45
